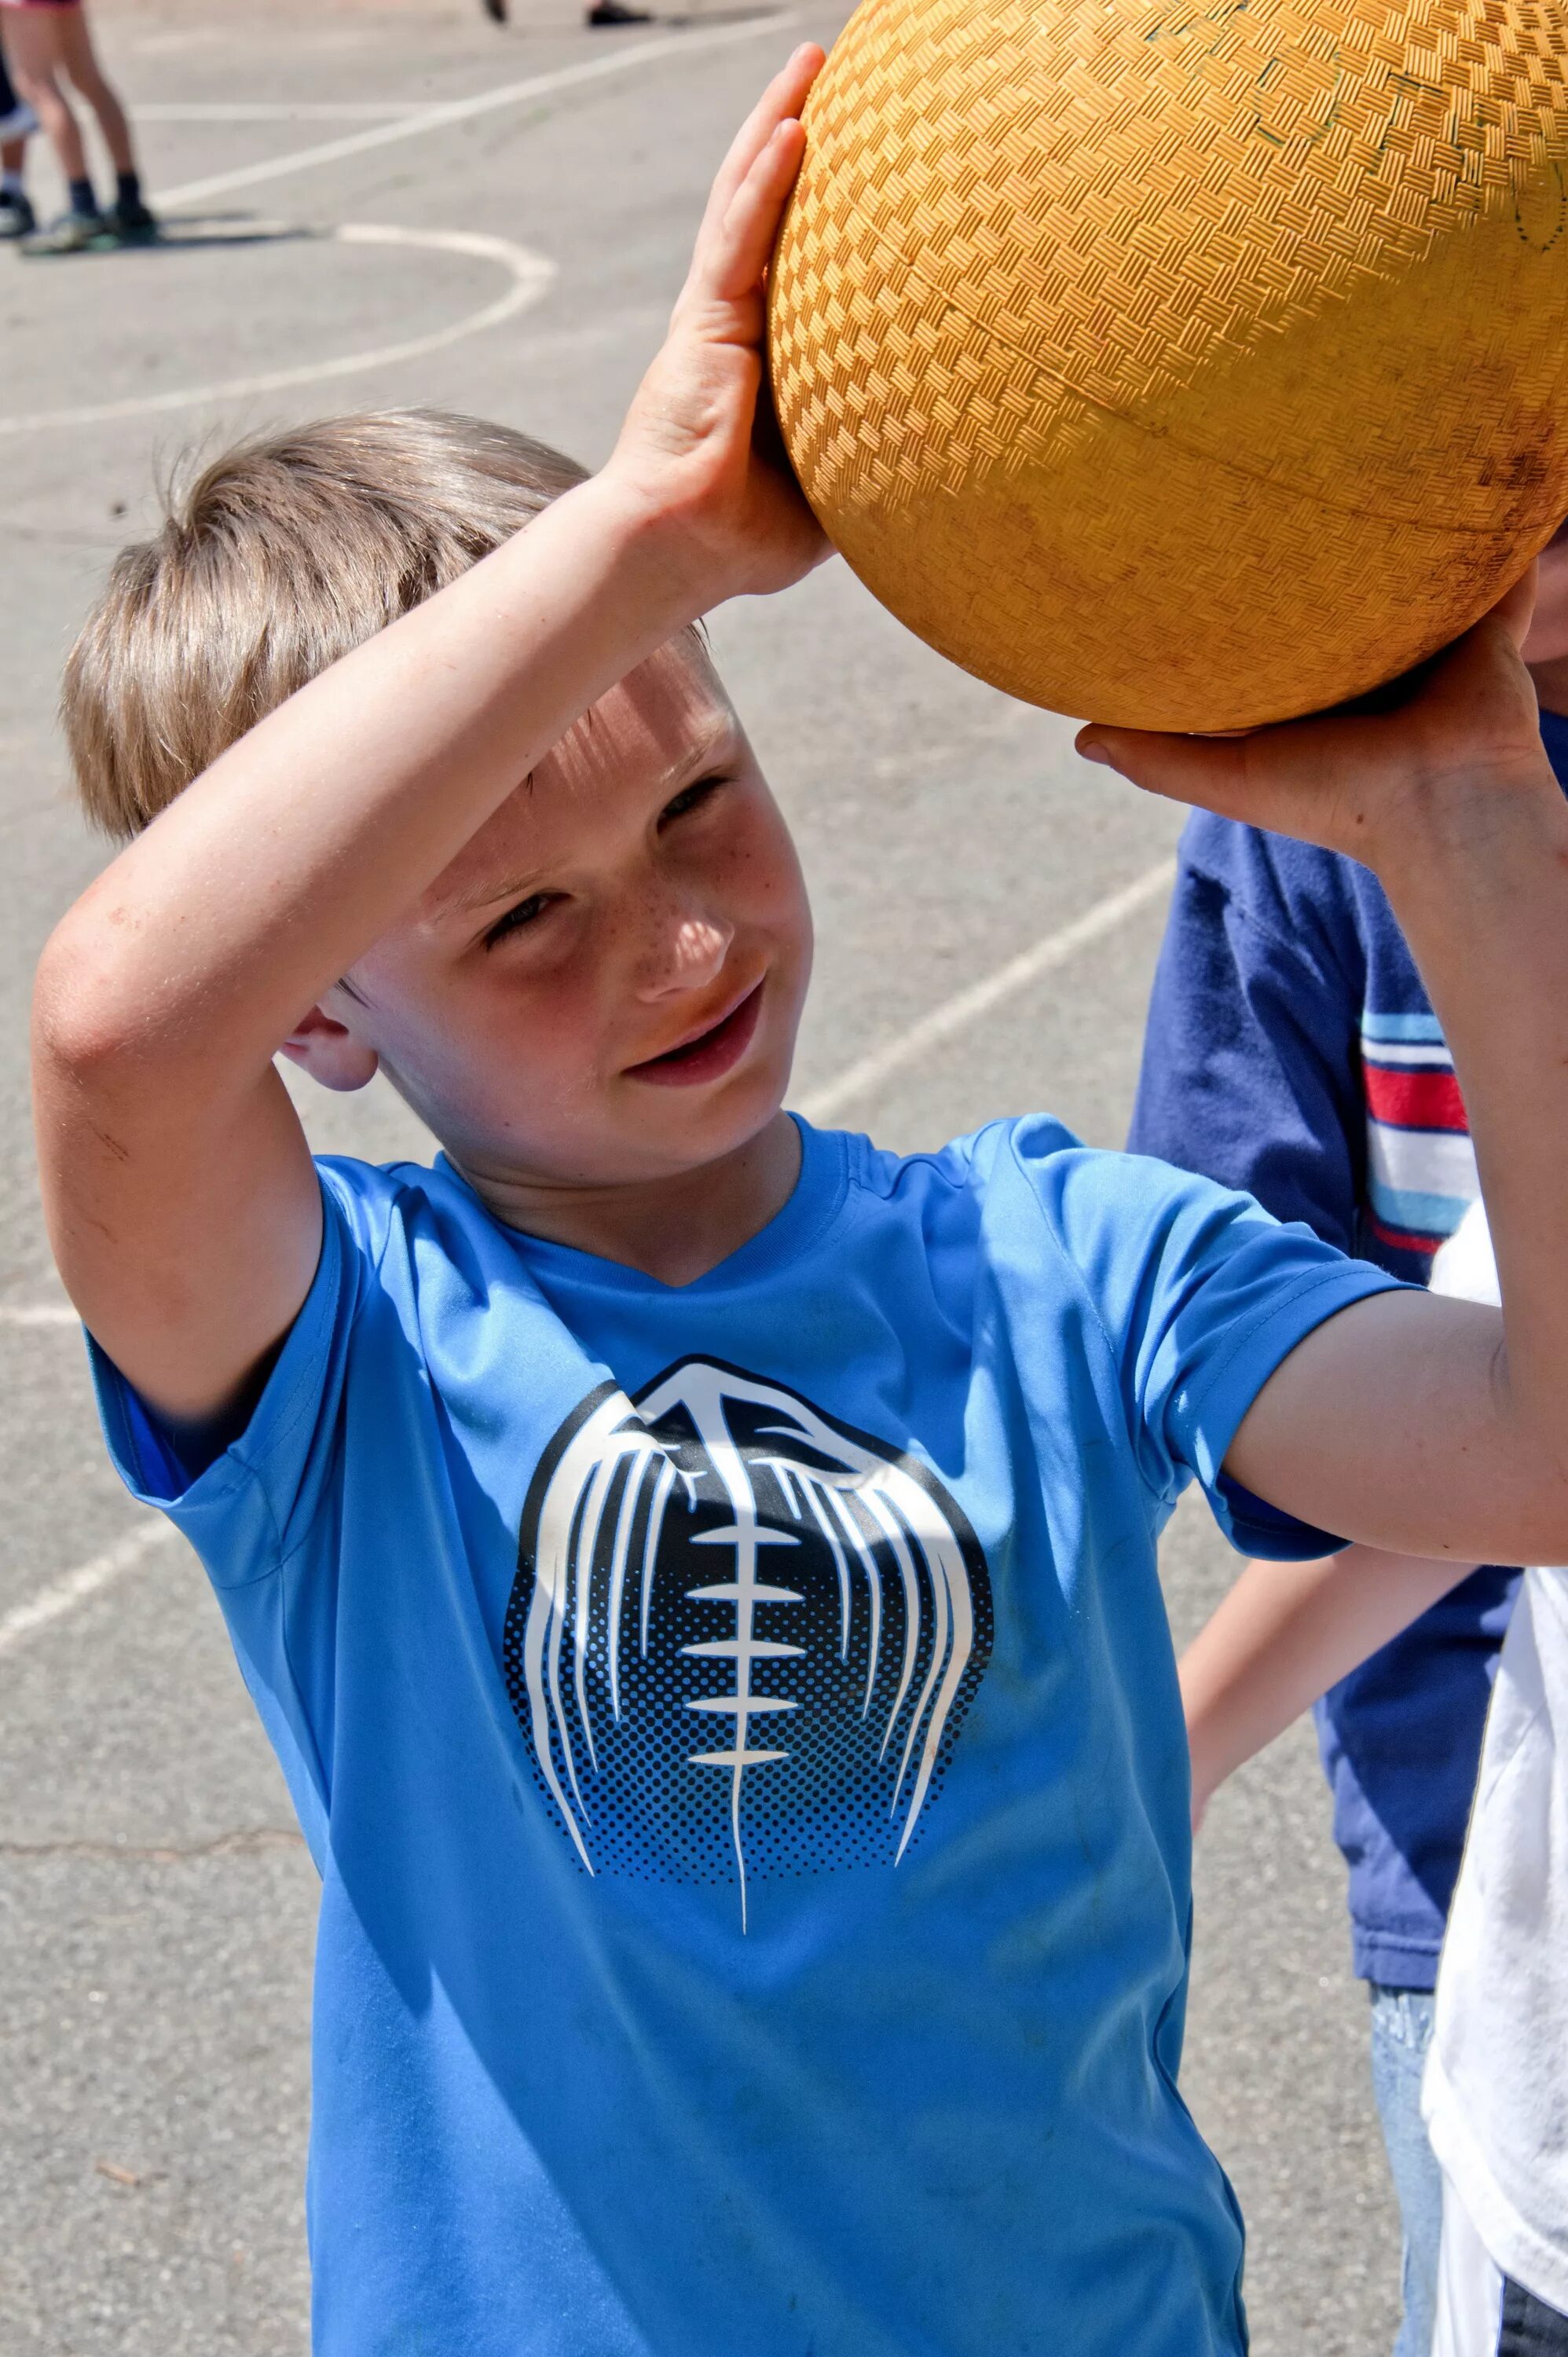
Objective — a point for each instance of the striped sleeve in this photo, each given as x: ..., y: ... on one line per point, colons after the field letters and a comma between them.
x: 1421, y: 1165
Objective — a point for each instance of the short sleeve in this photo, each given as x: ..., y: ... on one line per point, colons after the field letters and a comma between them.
x: 250, y: 1512
x: 1200, y: 1294
x: 242, y: 1512
x: 1249, y: 1058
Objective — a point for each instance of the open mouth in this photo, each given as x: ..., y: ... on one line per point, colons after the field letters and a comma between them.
x: 711, y: 1054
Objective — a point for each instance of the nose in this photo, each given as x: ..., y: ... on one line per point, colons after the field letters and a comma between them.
x: 684, y: 952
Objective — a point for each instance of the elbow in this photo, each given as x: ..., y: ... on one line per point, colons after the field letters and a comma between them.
x: 84, y: 1025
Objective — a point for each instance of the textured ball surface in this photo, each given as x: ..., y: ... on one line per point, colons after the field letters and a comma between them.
x: 1186, y: 366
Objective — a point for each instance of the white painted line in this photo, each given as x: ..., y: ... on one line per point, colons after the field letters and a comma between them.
x: 343, y: 109
x: 531, y: 274
x: 42, y: 1313
x: 957, y: 1013
x: 465, y: 110
x: 73, y: 1587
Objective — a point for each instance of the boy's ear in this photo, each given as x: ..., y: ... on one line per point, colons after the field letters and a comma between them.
x: 329, y: 1052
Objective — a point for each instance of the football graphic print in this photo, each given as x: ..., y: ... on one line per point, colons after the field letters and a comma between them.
x: 743, y: 1636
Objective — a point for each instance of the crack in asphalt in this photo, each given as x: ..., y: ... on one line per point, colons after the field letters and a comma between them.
x: 243, y: 1841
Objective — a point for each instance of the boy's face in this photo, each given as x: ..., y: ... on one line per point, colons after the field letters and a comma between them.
x: 604, y: 986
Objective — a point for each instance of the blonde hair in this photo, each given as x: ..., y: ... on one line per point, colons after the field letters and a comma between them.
x: 276, y: 560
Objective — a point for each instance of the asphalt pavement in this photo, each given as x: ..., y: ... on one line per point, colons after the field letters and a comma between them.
x: 403, y: 203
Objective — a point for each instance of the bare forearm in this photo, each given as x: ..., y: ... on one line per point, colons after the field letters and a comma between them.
x: 186, y: 1213
x: 208, y: 938
x: 1499, y: 980
x: 1284, y: 1635
x: 1431, y: 1427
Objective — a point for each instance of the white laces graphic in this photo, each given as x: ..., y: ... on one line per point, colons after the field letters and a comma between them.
x: 700, y: 1446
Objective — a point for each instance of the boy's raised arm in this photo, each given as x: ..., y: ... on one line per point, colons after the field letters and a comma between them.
x: 1423, y: 1425
x: 182, y: 1205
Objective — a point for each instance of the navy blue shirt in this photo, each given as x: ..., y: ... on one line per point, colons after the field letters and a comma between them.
x: 1292, y: 1050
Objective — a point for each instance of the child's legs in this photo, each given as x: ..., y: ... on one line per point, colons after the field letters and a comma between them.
x: 1402, y: 2032
x: 86, y: 75
x: 33, y: 54
x: 12, y: 151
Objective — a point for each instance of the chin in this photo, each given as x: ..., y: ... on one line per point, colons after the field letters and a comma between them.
x: 684, y: 1134
x: 723, y: 1129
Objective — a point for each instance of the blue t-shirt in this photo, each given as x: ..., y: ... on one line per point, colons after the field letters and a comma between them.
x: 1292, y: 1050
x: 738, y: 1729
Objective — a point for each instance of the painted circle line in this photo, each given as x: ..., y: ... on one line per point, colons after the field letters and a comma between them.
x: 531, y: 274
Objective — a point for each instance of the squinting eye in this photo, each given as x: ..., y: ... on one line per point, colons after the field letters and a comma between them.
x: 691, y: 798
x: 525, y: 913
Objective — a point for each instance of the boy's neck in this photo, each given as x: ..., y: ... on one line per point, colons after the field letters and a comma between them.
x: 675, y: 1230
x: 1552, y: 684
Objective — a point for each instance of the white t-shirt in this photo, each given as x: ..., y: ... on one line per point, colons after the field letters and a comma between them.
x: 1495, y: 2092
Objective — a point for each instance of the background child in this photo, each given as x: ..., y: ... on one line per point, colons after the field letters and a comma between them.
x: 17, y: 123
x: 1496, y: 2089
x: 47, y: 47
x: 698, y: 1573
x: 1494, y: 2092
x: 1292, y: 1050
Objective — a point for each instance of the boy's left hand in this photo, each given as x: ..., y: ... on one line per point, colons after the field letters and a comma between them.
x: 688, y: 452
x: 1419, y: 1426
x: 1370, y: 779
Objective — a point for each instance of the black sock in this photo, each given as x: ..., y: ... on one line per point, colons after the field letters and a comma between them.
x: 82, y: 200
x: 128, y: 189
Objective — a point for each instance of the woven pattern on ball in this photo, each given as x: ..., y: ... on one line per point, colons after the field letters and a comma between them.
x: 1257, y: 292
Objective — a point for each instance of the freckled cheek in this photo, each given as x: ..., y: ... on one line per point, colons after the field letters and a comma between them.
x: 553, y: 1032
x: 761, y: 879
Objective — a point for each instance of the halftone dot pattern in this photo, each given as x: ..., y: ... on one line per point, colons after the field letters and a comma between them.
x: 1183, y: 365
x: 839, y: 1796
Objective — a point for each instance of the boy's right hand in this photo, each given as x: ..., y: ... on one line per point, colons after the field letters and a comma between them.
x: 732, y: 519
x: 184, y: 1208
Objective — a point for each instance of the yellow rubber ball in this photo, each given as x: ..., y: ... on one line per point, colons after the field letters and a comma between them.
x: 1177, y: 365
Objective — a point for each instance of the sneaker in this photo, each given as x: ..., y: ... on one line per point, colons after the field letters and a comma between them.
x: 133, y: 224
x: 20, y: 124
x: 72, y: 233
x: 616, y: 12
x: 17, y: 217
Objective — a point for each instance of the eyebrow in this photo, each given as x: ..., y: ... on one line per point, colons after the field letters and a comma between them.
x: 723, y: 737
x: 488, y: 896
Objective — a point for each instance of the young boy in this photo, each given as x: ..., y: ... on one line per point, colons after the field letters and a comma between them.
x: 1293, y: 1051
x: 699, y: 1574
